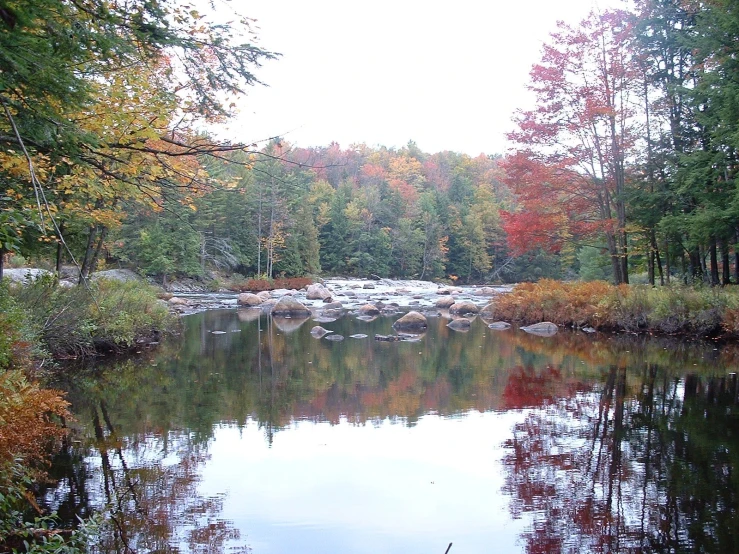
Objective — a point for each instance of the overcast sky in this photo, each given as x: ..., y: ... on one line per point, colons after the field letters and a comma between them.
x: 448, y: 75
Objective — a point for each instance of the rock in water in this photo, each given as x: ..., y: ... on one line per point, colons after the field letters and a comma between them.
x: 412, y: 321
x: 248, y: 299
x: 464, y: 307
x: 499, y: 325
x: 319, y: 331
x: 445, y: 302
x: 543, y: 329
x: 289, y: 307
x: 460, y: 324
x: 369, y: 309
x: 335, y: 338
x: 488, y: 311
x: 317, y: 291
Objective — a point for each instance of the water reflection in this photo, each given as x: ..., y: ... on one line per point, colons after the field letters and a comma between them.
x: 645, y: 462
x: 245, y: 433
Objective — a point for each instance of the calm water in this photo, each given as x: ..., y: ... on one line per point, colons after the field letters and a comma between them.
x: 260, y: 438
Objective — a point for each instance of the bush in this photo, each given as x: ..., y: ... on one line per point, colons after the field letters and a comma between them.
x: 635, y: 308
x: 258, y: 285
x: 78, y: 322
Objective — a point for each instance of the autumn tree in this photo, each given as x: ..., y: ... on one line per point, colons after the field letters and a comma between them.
x: 569, y: 166
x: 71, y: 73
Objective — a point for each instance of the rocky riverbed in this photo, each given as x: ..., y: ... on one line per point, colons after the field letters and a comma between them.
x: 336, y: 297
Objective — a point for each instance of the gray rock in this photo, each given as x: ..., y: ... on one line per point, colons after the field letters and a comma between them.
x: 387, y: 338
x: 358, y: 336
x: 499, y: 325
x: 543, y: 329
x: 319, y: 331
x: 335, y: 338
x: 460, y: 324
x: 369, y: 309
x: 445, y: 302
x: 488, y: 311
x: 289, y: 307
x: 122, y: 275
x: 412, y: 321
x: 368, y: 286
x: 463, y: 307
x: 264, y: 295
x: 248, y: 299
x: 24, y: 275
x: 177, y: 301
x: 316, y: 291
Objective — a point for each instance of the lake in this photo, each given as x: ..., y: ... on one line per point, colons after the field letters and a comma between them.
x: 247, y: 434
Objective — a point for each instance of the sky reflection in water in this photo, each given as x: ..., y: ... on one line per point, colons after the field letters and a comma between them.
x: 267, y: 438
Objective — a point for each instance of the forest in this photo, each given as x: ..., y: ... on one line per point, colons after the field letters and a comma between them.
x: 624, y: 169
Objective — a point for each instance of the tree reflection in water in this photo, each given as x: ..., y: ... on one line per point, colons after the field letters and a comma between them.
x: 642, y: 463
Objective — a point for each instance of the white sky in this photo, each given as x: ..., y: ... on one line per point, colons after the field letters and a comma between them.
x: 448, y: 75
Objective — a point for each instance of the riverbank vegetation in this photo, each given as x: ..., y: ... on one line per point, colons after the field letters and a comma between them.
x: 680, y: 310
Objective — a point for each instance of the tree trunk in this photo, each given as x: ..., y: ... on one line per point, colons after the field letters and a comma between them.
x: 2, y: 261
x: 98, y: 247
x: 85, y: 266
x: 59, y: 252
x: 696, y: 270
x: 725, y: 264
x: 713, y: 252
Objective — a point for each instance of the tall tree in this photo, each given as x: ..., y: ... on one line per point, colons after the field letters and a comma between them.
x: 572, y: 148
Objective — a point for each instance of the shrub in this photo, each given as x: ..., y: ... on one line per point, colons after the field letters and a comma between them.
x: 672, y: 309
x: 77, y: 321
x: 258, y: 285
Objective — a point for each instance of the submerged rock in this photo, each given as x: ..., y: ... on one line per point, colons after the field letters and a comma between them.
x: 387, y: 338
x: 499, y: 325
x: 358, y: 336
x: 319, y: 331
x: 334, y: 338
x: 543, y: 329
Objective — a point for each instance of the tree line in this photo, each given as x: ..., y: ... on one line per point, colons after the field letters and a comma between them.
x: 623, y: 168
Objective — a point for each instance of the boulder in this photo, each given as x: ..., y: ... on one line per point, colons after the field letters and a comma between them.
x: 264, y: 295
x: 445, y: 302
x: 289, y: 307
x: 412, y: 321
x: 543, y: 329
x: 464, y: 307
x: 248, y: 299
x: 332, y: 306
x: 459, y: 324
x: 368, y: 286
x: 369, y: 309
x: 319, y: 331
x: 485, y: 291
x: 24, y: 275
x: 317, y: 291
x: 499, y: 325
x: 335, y: 337
x: 177, y: 301
x: 488, y: 311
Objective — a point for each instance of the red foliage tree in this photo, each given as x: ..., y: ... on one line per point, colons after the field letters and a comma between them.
x: 568, y: 168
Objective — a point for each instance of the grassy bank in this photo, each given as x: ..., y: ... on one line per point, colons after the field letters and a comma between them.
x: 39, y: 324
x: 701, y: 311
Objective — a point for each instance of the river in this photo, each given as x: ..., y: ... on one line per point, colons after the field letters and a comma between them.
x: 247, y: 434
